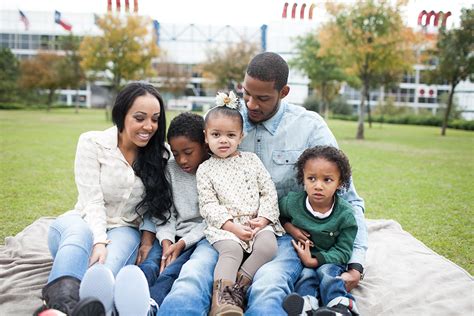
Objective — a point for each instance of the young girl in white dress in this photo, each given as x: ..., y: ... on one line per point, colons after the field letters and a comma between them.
x: 239, y: 202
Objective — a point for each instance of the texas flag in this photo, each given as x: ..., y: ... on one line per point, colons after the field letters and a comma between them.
x: 64, y: 24
x: 25, y: 20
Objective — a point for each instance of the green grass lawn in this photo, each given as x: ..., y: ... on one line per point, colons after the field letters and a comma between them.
x: 406, y: 173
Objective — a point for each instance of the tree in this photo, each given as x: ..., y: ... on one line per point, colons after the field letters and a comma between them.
x: 226, y: 67
x: 72, y: 73
x: 172, y: 76
x: 455, y: 52
x: 123, y: 52
x: 322, y: 70
x: 9, y: 73
x: 42, y: 72
x: 371, y: 42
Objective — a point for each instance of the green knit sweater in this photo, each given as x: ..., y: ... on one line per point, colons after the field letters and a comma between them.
x: 333, y: 237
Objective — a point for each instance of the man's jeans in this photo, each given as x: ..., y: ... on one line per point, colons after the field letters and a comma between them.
x: 192, y: 291
x: 70, y: 242
x: 323, y: 282
x: 160, y: 284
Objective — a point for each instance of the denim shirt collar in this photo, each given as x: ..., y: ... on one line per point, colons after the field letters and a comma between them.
x: 271, y: 125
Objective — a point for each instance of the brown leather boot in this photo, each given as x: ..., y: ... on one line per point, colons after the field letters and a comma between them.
x: 240, y: 289
x: 223, y: 303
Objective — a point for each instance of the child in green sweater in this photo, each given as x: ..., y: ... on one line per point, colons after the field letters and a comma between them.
x: 332, y: 228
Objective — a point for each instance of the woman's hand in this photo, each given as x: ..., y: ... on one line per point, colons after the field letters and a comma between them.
x: 258, y: 223
x: 99, y: 253
x: 172, y: 252
x: 298, y: 234
x: 146, y: 243
x: 304, y: 252
x: 165, y: 245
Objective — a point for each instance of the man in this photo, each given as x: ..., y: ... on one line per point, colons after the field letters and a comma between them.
x: 278, y: 133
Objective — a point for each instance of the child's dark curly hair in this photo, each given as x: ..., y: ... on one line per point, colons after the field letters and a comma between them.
x: 328, y: 153
x: 187, y: 124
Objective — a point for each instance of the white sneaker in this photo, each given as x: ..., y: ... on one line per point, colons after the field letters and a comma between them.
x: 132, y: 296
x: 98, y: 282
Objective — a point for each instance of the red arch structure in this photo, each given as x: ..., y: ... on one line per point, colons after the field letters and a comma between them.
x: 437, y: 16
x: 293, y: 11
x: 118, y: 5
x: 284, y: 14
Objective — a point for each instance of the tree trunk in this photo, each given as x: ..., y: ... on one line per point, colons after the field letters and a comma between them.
x: 325, y: 103
x: 448, y: 110
x: 368, y: 108
x: 50, y: 99
x: 360, y: 126
x: 77, y: 101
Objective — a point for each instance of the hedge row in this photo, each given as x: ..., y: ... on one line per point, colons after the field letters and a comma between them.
x: 413, y: 120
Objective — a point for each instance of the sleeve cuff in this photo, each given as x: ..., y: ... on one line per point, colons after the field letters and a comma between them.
x: 358, y: 256
x: 165, y: 235
x: 320, y: 258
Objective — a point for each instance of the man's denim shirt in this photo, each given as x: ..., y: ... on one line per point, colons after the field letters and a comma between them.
x: 279, y: 141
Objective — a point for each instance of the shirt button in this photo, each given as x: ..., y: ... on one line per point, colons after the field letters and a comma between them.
x: 331, y: 234
x: 258, y: 140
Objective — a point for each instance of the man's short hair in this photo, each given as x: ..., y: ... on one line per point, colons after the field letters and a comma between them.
x: 269, y: 66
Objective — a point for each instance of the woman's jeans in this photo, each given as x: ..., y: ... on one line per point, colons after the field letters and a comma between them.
x: 70, y: 242
x: 192, y: 291
x: 160, y: 284
x: 323, y: 282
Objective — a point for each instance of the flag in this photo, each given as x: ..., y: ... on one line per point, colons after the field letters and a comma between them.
x: 64, y: 24
x: 25, y: 20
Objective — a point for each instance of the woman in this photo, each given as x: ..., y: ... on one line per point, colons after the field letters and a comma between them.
x: 119, y: 175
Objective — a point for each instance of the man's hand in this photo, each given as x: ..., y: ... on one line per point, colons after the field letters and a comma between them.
x: 304, y: 252
x: 172, y: 252
x: 351, y: 279
x: 258, y: 223
x: 146, y: 243
x: 298, y: 234
x: 99, y: 253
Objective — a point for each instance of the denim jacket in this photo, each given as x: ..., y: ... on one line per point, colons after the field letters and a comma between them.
x: 279, y: 141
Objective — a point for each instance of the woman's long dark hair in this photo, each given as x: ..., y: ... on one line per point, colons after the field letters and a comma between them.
x: 151, y: 159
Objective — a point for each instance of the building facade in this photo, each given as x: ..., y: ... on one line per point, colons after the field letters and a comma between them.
x: 185, y: 45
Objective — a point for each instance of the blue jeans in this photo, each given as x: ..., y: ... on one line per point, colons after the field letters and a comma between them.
x: 160, y: 284
x: 191, y: 293
x: 70, y: 242
x: 274, y: 281
x: 323, y: 282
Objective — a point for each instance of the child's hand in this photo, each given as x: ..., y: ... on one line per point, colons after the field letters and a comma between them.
x: 298, y: 234
x: 303, y: 251
x: 244, y: 233
x: 258, y: 223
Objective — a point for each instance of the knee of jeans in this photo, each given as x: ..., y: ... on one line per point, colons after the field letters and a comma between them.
x: 327, y: 269
x: 307, y: 273
x: 70, y: 229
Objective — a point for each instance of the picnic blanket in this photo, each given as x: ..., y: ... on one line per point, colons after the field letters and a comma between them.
x: 403, y: 276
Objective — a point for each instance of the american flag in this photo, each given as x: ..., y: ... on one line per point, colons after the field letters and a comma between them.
x: 24, y: 19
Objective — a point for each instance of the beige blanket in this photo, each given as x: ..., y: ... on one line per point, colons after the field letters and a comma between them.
x: 403, y: 276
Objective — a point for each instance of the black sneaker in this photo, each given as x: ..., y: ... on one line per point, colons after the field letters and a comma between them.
x: 337, y: 310
x: 293, y: 304
x: 89, y: 306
